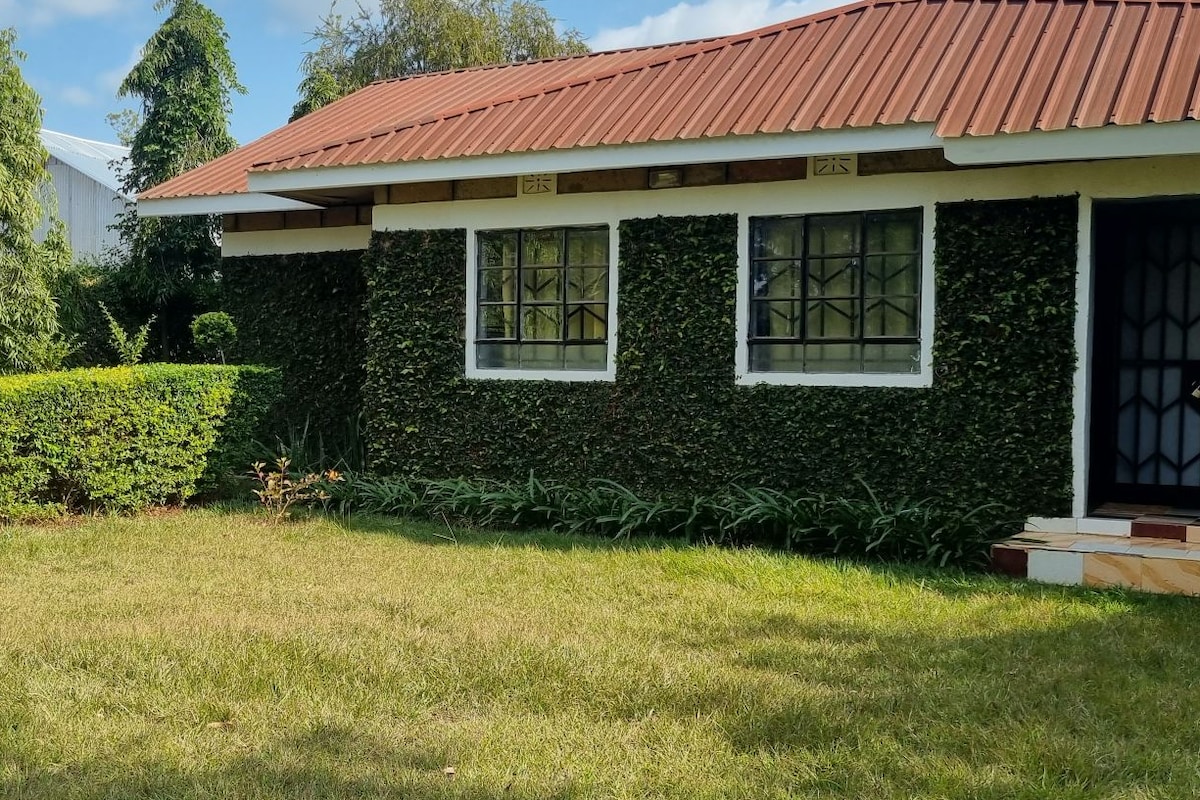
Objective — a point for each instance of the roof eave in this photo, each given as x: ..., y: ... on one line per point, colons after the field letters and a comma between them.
x: 248, y: 203
x: 1077, y: 144
x: 583, y: 159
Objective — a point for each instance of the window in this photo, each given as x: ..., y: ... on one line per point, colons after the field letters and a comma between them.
x: 543, y: 299
x: 836, y: 293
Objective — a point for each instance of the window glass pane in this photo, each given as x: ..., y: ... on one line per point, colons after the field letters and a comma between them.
x: 891, y: 316
x: 776, y: 319
x: 834, y: 235
x: 585, y: 356
x: 892, y: 275
x: 895, y: 232
x: 541, y: 356
x: 543, y: 285
x: 776, y: 358
x: 588, y: 248
x: 498, y: 285
x: 855, y: 281
x: 833, y: 319
x: 833, y: 358
x: 497, y: 356
x: 587, y: 322
x: 498, y: 249
x: 539, y: 289
x: 778, y: 279
x: 589, y: 283
x: 833, y: 277
x: 781, y: 237
x: 498, y: 322
x: 541, y: 323
x: 902, y: 358
x: 542, y: 248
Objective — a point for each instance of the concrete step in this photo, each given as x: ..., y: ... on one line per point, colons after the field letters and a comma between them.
x: 1143, y: 562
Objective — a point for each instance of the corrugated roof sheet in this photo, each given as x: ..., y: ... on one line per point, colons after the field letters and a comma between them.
x: 98, y: 160
x: 971, y: 67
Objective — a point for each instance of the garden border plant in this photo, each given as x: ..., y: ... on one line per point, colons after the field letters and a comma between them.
x: 903, y: 530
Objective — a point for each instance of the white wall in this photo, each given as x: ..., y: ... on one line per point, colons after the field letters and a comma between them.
x: 304, y: 240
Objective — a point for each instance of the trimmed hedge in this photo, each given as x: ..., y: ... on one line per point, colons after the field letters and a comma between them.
x: 127, y: 438
x: 304, y: 314
x: 995, y: 427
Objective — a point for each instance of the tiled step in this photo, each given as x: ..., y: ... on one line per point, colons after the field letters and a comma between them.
x: 1150, y: 564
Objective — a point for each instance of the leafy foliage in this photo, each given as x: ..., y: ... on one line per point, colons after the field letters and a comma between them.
x: 125, y: 438
x: 994, y: 428
x: 183, y: 79
x: 406, y: 37
x: 29, y: 337
x: 917, y: 532
x: 279, y: 489
x: 214, y: 334
x: 128, y: 348
x: 306, y: 315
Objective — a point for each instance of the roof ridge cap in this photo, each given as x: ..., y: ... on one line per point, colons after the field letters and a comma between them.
x: 547, y: 60
x: 690, y: 49
x: 83, y: 138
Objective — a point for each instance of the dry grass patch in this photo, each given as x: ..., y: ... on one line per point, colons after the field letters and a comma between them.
x: 208, y: 655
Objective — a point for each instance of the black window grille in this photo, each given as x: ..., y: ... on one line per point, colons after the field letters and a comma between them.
x: 543, y: 299
x: 836, y: 292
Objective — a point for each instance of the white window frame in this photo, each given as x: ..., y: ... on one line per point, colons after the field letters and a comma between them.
x: 920, y: 379
x: 473, y: 371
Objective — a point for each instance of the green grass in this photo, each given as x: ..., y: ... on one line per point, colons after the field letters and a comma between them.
x: 360, y: 661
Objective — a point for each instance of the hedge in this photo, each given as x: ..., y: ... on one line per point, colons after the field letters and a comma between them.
x: 126, y: 438
x: 304, y: 314
x: 994, y: 427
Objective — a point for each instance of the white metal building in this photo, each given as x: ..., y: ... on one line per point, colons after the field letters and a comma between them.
x: 88, y: 187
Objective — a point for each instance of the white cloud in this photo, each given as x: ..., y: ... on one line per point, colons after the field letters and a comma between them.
x: 46, y: 12
x: 704, y: 19
x: 77, y: 96
x: 303, y: 16
x: 110, y: 80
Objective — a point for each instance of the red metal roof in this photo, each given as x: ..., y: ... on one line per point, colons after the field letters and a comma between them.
x: 970, y: 67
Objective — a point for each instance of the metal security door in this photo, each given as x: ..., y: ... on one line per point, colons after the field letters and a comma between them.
x: 1146, y: 354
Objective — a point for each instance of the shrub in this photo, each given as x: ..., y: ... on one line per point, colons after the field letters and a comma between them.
x: 214, y: 335
x: 128, y: 348
x: 280, y: 488
x: 126, y: 438
x: 909, y: 531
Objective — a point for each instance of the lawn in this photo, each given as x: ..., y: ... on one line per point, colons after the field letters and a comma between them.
x: 212, y: 655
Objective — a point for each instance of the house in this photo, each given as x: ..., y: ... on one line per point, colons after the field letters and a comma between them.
x: 942, y: 248
x: 88, y: 190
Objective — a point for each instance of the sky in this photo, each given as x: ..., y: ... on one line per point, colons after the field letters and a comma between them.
x: 80, y: 50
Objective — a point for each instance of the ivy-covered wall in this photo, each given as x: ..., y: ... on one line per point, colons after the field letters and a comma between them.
x: 996, y: 425
x: 306, y: 315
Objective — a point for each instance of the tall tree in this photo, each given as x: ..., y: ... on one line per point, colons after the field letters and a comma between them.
x: 28, y: 322
x: 184, y: 80
x: 407, y: 37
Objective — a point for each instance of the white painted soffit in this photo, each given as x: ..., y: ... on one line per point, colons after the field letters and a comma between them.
x: 218, y: 204
x: 583, y: 159
x: 1077, y: 144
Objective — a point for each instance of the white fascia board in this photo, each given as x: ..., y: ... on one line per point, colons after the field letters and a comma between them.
x: 1077, y: 144
x: 218, y: 204
x: 582, y: 159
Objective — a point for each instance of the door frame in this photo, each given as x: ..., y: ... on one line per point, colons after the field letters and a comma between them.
x: 1096, y: 336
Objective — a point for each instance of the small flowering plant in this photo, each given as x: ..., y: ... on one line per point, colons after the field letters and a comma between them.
x: 280, y: 488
